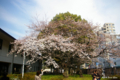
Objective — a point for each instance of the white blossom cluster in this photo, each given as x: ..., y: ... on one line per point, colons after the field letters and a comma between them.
x: 36, y: 48
x: 51, y: 61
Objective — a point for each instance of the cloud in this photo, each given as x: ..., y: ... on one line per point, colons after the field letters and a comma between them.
x: 86, y: 8
x: 52, y: 7
x: 8, y: 17
x: 29, y: 8
x: 16, y: 25
x: 109, y: 12
x: 96, y: 11
x: 13, y: 32
x: 17, y: 22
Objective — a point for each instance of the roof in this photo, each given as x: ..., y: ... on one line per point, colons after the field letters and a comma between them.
x: 6, y: 34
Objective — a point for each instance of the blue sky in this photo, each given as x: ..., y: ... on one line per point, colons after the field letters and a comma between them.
x: 15, y: 15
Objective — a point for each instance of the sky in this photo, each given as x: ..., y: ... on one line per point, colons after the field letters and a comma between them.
x: 16, y: 15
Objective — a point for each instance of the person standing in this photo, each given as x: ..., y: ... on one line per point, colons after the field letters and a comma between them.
x: 94, y: 75
x: 98, y: 76
x: 38, y: 75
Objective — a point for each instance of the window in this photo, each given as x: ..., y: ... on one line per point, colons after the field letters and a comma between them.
x: 115, y: 63
x: 9, y: 47
x: 109, y: 24
x: 1, y: 43
x: 112, y: 24
x: 104, y: 31
x: 103, y: 28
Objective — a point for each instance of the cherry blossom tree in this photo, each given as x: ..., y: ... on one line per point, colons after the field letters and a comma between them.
x: 64, y: 44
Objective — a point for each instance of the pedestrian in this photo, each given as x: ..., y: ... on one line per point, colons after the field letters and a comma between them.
x: 38, y: 75
x: 94, y: 75
x: 98, y: 76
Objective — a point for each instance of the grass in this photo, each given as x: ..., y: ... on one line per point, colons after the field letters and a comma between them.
x: 31, y: 75
x: 60, y: 77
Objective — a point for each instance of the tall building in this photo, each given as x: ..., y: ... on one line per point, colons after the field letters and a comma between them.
x: 108, y: 28
x: 108, y: 32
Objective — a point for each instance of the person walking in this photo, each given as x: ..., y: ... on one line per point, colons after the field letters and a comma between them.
x: 38, y: 75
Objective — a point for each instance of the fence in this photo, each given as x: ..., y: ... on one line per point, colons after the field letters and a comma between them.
x: 90, y: 71
x: 108, y: 71
x: 112, y: 71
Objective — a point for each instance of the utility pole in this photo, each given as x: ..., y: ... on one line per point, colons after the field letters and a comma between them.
x: 23, y: 64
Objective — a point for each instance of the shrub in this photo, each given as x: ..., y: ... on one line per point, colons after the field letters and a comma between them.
x: 27, y: 76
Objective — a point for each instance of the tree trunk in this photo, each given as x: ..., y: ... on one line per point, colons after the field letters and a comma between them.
x: 51, y: 68
x: 80, y: 73
x: 66, y: 74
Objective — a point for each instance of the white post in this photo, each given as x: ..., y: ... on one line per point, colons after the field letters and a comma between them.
x: 23, y: 65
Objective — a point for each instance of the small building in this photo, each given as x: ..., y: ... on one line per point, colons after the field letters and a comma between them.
x: 10, y: 63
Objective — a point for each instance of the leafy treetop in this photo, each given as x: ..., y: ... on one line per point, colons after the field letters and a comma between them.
x: 64, y: 16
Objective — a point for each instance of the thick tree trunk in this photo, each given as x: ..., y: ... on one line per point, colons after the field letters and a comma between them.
x: 71, y: 71
x: 66, y: 73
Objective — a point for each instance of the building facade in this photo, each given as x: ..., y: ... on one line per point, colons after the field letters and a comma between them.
x: 10, y: 63
x: 108, y: 32
x: 108, y: 28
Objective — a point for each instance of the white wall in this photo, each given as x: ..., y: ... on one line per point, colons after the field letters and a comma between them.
x: 117, y: 60
x: 4, y: 52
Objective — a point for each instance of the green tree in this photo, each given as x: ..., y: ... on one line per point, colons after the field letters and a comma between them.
x: 64, y: 16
